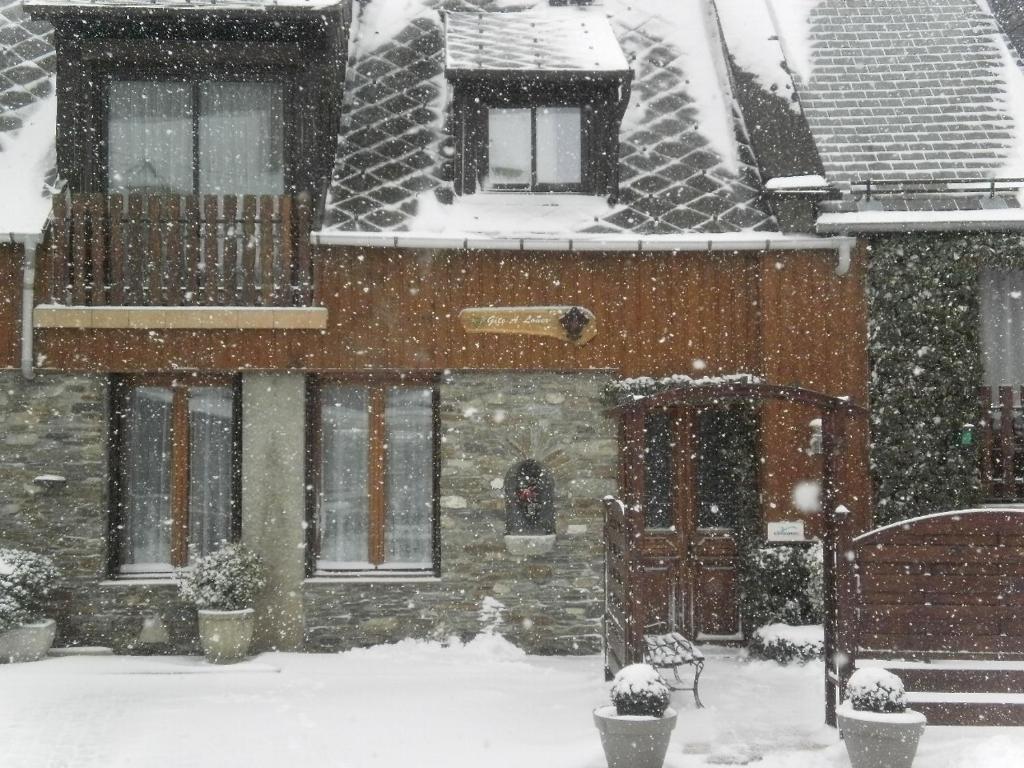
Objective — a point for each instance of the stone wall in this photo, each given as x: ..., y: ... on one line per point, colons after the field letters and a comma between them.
x: 489, y: 421
x: 552, y: 601
x: 58, y: 425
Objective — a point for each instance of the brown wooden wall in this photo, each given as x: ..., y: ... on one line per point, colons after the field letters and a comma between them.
x: 786, y: 316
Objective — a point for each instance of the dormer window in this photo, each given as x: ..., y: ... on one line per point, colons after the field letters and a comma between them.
x: 537, y: 100
x: 534, y: 149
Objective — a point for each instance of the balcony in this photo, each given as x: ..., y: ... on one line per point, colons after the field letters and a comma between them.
x: 179, y: 261
x: 1001, y: 443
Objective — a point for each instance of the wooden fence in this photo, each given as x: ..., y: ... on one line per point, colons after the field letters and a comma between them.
x: 180, y: 250
x: 939, y: 600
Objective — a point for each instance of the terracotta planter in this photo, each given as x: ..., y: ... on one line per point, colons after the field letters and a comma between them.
x: 29, y: 642
x: 634, y: 742
x: 225, y: 635
x: 879, y: 740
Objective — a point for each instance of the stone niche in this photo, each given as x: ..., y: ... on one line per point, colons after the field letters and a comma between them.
x: 529, y: 509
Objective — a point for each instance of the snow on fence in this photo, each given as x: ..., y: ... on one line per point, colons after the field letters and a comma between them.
x: 180, y: 250
x: 939, y: 600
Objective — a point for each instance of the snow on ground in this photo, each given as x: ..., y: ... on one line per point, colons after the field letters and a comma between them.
x: 417, y: 705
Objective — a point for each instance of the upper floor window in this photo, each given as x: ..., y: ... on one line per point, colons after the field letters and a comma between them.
x: 1002, y: 326
x: 207, y: 137
x: 534, y: 148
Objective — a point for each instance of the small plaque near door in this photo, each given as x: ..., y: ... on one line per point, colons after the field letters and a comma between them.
x: 786, y: 530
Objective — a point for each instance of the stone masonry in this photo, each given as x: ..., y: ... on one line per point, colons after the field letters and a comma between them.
x: 58, y: 425
x: 553, y: 602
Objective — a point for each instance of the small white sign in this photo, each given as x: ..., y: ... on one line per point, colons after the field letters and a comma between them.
x: 786, y: 530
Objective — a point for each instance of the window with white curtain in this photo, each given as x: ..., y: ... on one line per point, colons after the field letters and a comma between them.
x: 208, y: 137
x: 534, y: 148
x: 1002, y: 326
x: 375, y: 477
x: 178, y: 454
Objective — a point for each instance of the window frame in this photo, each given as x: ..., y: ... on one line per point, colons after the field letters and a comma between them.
x: 180, y: 385
x: 378, y: 384
x: 195, y: 84
x: 598, y: 97
x: 534, y: 186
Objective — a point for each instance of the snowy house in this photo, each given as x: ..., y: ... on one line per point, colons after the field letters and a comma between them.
x: 906, y: 131
x: 356, y: 284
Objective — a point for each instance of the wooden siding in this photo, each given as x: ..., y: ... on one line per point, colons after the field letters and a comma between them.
x: 785, y: 316
x: 657, y: 314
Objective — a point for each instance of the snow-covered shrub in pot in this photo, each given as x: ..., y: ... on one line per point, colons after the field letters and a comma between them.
x: 878, y: 729
x: 635, y: 729
x: 26, y: 582
x: 223, y: 587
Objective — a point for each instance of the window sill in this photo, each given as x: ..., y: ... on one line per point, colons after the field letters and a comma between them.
x: 141, y: 581
x: 374, y: 577
x: 181, y: 318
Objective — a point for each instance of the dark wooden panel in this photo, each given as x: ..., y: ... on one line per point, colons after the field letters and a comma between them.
x: 962, y: 680
x: 971, y: 714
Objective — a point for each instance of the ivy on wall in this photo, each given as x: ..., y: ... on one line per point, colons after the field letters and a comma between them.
x: 924, y: 348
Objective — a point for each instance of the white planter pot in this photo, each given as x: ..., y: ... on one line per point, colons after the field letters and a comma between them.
x: 634, y: 742
x: 225, y: 635
x: 877, y: 740
x: 29, y: 642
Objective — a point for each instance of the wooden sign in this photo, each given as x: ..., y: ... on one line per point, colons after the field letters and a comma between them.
x: 576, y: 325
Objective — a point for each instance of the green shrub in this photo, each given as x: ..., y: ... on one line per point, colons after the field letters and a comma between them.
x: 781, y: 584
x: 638, y: 690
x: 26, y: 581
x: 784, y: 643
x: 226, y: 580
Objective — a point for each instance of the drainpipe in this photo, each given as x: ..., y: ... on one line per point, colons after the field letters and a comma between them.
x: 28, y: 281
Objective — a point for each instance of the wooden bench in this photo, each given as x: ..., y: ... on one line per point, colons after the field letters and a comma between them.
x: 670, y: 651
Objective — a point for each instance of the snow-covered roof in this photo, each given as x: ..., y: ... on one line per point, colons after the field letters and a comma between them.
x: 203, y: 5
x: 685, y: 164
x: 538, y: 40
x: 28, y: 116
x: 891, y: 89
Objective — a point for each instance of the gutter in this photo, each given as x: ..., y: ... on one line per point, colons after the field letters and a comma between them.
x: 871, y: 222
x: 734, y: 242
x: 30, y: 242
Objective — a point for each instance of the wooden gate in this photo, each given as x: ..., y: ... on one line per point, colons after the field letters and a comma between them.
x: 939, y: 600
x: 677, y: 576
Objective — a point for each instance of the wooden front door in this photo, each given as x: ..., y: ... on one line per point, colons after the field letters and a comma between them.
x: 715, y: 588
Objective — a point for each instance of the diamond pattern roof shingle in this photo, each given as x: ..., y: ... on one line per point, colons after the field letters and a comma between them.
x: 906, y: 88
x: 27, y: 63
x: 538, y: 40
x: 393, y: 148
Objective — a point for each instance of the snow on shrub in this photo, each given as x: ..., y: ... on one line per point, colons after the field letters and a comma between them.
x: 637, y: 690
x: 876, y: 690
x: 26, y: 581
x: 226, y: 580
x: 782, y: 583
x: 784, y: 643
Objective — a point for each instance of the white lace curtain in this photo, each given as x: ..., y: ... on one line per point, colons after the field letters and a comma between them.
x: 1002, y: 326
x: 155, y: 139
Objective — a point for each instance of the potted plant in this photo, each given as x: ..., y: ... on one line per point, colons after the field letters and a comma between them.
x: 635, y: 729
x: 223, y: 587
x: 26, y: 581
x: 878, y: 729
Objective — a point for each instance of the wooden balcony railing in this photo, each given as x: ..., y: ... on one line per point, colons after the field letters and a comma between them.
x: 1001, y: 443
x: 180, y: 250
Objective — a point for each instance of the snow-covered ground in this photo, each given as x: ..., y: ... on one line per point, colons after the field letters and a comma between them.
x: 415, y: 705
